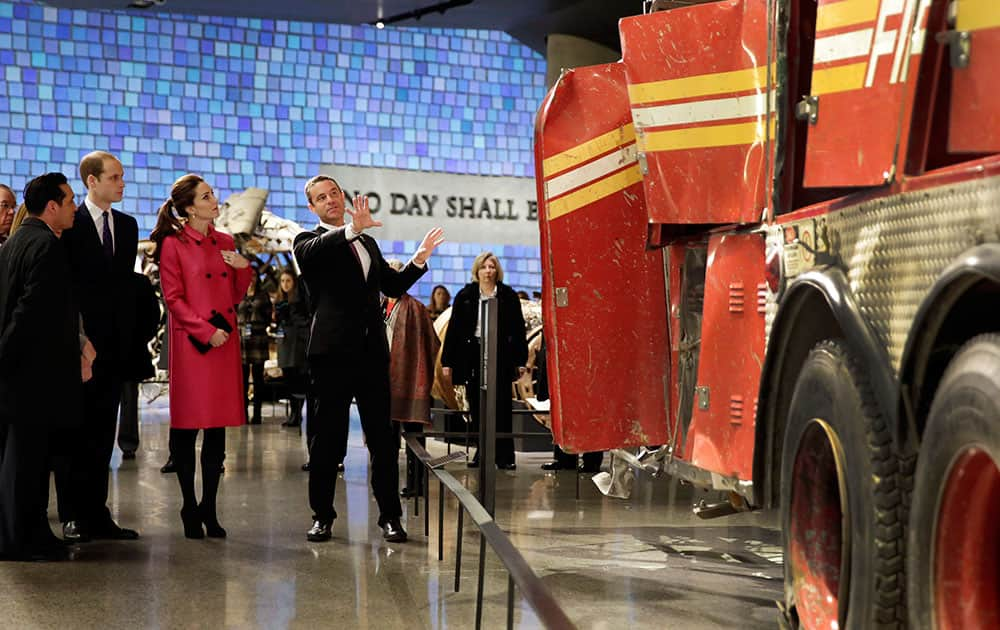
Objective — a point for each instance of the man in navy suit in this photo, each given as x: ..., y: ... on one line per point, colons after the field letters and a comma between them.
x: 348, y: 352
x: 102, y: 248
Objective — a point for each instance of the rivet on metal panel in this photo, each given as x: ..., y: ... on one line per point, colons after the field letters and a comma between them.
x: 959, y: 47
x: 736, y: 409
x: 562, y: 296
x: 737, y: 297
x: 808, y: 109
x: 702, y: 392
x: 643, y: 165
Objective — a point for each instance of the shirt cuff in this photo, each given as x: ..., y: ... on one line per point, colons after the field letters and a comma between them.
x: 413, y: 261
x: 349, y: 232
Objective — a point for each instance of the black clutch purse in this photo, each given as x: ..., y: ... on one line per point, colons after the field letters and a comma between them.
x: 219, y: 322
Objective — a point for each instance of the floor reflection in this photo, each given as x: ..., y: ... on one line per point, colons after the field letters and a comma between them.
x: 642, y: 562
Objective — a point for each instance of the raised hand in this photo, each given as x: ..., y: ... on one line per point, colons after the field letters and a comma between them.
x: 361, y: 216
x: 427, y: 246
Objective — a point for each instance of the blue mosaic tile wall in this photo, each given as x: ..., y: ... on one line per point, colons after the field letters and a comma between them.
x: 251, y: 102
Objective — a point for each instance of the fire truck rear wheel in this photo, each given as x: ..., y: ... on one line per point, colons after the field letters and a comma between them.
x: 840, y: 502
x: 954, y: 580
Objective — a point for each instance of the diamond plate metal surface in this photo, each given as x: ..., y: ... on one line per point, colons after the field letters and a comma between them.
x: 893, y: 249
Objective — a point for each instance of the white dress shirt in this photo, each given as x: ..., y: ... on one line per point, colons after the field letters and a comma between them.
x: 352, y: 240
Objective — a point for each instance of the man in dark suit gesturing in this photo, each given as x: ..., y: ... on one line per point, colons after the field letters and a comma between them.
x: 41, y: 368
x: 102, y: 248
x: 348, y: 352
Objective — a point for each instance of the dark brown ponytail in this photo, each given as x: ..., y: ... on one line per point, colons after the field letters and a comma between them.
x: 168, y: 219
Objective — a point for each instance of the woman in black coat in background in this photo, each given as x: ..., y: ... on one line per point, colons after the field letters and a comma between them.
x: 460, y: 355
x: 291, y: 312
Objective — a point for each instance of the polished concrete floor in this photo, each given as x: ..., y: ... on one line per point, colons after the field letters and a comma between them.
x: 645, y: 562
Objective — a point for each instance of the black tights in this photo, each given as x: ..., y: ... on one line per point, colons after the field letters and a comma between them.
x: 213, y: 451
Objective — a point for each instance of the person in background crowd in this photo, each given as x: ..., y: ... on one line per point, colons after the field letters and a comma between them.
x: 202, y: 278
x: 291, y: 312
x: 439, y: 302
x: 101, y: 245
x: 138, y: 366
x: 413, y: 348
x: 255, y: 314
x: 522, y: 295
x: 8, y: 205
x: 348, y: 352
x: 460, y: 354
x: 42, y: 366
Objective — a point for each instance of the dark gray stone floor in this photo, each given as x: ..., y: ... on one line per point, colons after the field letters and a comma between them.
x: 645, y: 562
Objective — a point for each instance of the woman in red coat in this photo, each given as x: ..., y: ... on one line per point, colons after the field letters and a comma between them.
x: 202, y: 278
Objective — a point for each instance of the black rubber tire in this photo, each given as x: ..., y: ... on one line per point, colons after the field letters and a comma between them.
x: 832, y: 395
x: 965, y: 413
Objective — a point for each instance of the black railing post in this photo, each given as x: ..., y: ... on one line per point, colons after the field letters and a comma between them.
x: 488, y: 404
x: 458, y: 546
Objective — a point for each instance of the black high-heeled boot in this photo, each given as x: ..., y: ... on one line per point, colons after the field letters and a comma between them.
x: 192, y: 523
x: 211, y: 521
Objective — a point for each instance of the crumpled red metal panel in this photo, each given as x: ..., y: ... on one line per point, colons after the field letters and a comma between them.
x: 604, y: 296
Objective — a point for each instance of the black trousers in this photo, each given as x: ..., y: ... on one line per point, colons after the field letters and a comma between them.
x: 335, y: 383
x: 24, y: 487
x: 84, y: 482
x: 504, y: 446
x: 128, y: 421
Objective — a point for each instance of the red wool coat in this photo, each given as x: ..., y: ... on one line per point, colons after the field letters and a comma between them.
x: 206, y: 390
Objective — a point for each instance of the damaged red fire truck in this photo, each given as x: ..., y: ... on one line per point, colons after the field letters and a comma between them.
x: 771, y: 252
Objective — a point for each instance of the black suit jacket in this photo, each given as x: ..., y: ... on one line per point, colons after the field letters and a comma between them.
x: 107, y: 292
x: 39, y: 330
x: 461, y: 348
x: 347, y: 317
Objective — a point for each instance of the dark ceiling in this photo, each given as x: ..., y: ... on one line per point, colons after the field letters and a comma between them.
x: 529, y: 21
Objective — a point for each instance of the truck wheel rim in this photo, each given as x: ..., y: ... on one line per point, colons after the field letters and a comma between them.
x: 966, y: 546
x: 818, y: 528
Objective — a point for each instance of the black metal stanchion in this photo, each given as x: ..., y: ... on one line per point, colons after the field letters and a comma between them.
x: 440, y: 522
x: 458, y: 547
x: 482, y: 567
x: 488, y: 404
x: 510, y: 602
x: 426, y: 484
x: 487, y: 428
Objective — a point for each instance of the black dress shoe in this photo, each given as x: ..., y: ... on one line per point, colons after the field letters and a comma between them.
x: 128, y: 454
x: 74, y: 532
x: 321, y: 531
x: 407, y: 493
x: 305, y: 466
x: 291, y: 422
x: 111, y: 531
x: 169, y: 467
x: 554, y: 465
x: 473, y: 464
x: 392, y: 531
x: 340, y: 467
x: 510, y: 466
